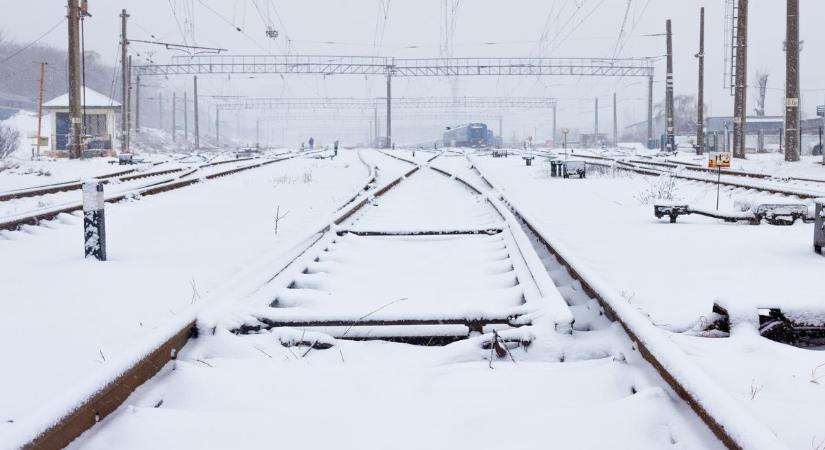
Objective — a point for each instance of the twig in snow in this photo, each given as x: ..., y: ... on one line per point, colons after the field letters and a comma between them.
x: 204, y: 362
x: 371, y: 313
x: 195, y: 294
x: 102, y: 355
x: 755, y: 389
x: 261, y: 350
x: 342, y: 355
x: 814, y: 377
x: 815, y: 446
x: 278, y: 217
x: 492, y: 348
x: 309, y: 350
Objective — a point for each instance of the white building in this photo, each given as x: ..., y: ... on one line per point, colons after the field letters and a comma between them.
x: 99, y: 122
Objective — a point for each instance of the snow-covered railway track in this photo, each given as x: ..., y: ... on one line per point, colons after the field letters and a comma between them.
x: 646, y: 168
x: 427, y: 260
x: 733, y: 426
x: 176, y: 181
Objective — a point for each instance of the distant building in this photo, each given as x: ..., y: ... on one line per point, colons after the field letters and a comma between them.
x: 592, y: 140
x: 99, y: 123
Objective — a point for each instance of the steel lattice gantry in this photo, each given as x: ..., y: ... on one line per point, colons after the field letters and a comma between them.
x: 371, y: 105
x: 401, y: 67
x: 351, y: 103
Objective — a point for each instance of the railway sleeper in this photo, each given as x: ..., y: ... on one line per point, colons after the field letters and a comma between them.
x: 775, y: 325
x: 436, y: 332
x: 488, y: 231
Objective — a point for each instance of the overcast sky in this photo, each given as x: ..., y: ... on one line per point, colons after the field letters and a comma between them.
x: 415, y: 28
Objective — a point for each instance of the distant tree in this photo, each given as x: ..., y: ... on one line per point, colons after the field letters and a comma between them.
x: 762, y: 83
x: 9, y: 141
x: 684, y: 114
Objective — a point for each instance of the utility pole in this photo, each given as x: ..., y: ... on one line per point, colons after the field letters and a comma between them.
x: 615, y: 123
x: 40, y: 106
x: 160, y: 110
x: 218, y: 126
x: 124, y: 81
x: 700, y: 108
x: 669, y: 121
x: 375, y: 131
x: 389, y: 110
x: 197, y: 131
x: 741, y: 87
x: 554, y: 124
x: 174, y: 107
x: 258, y: 133
x: 792, y: 83
x: 185, y: 117
x: 137, y: 104
x: 75, y: 113
x: 596, y: 127
x: 649, y: 110
x: 129, y: 107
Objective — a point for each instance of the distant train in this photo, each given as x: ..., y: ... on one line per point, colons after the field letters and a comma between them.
x: 470, y: 135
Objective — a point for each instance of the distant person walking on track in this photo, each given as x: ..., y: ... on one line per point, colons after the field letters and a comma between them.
x: 311, y: 143
x: 335, y: 147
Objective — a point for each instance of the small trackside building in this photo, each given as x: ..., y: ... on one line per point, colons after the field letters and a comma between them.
x: 99, y: 123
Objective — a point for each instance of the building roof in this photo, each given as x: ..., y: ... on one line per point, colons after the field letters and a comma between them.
x: 94, y: 99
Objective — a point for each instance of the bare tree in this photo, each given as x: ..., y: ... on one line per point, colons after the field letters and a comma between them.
x: 762, y: 83
x: 9, y: 141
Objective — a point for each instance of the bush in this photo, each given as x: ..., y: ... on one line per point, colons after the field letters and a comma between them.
x: 9, y: 141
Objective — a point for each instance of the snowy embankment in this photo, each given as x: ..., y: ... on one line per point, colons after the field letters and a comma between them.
x: 167, y: 255
x: 674, y: 273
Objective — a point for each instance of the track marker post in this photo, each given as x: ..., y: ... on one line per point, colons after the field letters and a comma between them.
x: 94, y: 220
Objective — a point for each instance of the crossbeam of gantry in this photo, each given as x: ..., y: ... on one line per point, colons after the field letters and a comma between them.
x: 347, y: 103
x: 398, y: 67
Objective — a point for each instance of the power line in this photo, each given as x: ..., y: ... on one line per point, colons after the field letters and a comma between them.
x: 30, y: 44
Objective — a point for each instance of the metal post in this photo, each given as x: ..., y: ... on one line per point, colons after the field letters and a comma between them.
x: 218, y: 126
x: 258, y: 133
x: 197, y: 131
x: 554, y: 125
x: 670, y: 126
x: 596, y: 126
x: 615, y: 123
x: 137, y: 104
x: 741, y: 88
x: 75, y: 116
x: 389, y: 110
x: 649, y: 111
x: 700, y: 107
x: 129, y: 108
x: 160, y: 110
x: 792, y: 144
x: 185, y: 117
x: 94, y: 220
x: 174, y: 114
x: 124, y: 81
x: 40, y: 107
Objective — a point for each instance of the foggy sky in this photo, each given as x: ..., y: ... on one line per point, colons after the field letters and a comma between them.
x: 482, y: 28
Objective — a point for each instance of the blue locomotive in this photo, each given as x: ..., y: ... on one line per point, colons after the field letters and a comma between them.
x: 470, y: 135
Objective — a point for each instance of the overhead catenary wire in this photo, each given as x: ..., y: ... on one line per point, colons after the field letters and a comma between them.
x: 32, y: 43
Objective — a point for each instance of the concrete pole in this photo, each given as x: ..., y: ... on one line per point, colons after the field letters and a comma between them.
x: 174, y: 115
x: 615, y: 122
x: 75, y: 116
x: 197, y: 131
x: 389, y: 110
x: 741, y: 88
x: 669, y: 119
x: 596, y: 127
x: 649, y: 110
x: 185, y: 116
x: 137, y: 104
x: 124, y: 80
x: 700, y: 107
x: 792, y: 141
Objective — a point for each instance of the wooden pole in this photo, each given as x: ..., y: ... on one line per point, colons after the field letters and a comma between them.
x: 741, y: 80
x: 700, y: 107
x: 40, y: 106
x: 792, y: 143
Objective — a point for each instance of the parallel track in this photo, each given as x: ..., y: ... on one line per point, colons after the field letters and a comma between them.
x: 528, y: 243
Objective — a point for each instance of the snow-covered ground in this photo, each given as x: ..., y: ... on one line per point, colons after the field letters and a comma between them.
x: 674, y: 273
x: 231, y: 390
x: 70, y: 319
